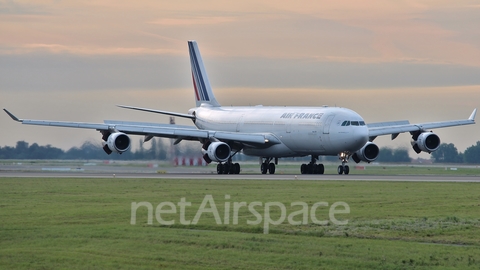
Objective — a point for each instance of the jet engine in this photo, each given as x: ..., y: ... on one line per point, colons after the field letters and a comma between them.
x: 216, y: 151
x: 368, y: 153
x: 426, y: 142
x: 116, y: 142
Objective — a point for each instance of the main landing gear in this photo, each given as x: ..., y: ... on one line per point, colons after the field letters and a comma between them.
x: 343, y: 169
x: 228, y: 167
x: 267, y: 165
x: 312, y: 167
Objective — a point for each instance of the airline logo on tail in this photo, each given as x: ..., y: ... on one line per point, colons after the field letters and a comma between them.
x: 199, y: 83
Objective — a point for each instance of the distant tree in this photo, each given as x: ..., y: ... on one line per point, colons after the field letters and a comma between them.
x: 51, y: 152
x: 141, y: 151
x: 401, y: 155
x: 21, y: 150
x: 385, y: 155
x: 149, y: 153
x: 44, y: 152
x: 161, y: 149
x: 154, y: 149
x: 7, y: 152
x: 472, y: 153
x: 393, y: 155
x: 446, y: 153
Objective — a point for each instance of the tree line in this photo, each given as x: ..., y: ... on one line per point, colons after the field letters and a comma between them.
x: 448, y: 153
x: 161, y: 149
x: 157, y: 150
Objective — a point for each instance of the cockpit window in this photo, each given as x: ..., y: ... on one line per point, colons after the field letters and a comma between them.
x: 353, y: 123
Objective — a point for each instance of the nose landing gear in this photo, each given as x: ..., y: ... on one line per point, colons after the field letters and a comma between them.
x: 343, y: 169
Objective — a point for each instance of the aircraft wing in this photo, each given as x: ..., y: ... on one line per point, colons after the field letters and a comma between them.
x: 397, y: 127
x: 178, y: 132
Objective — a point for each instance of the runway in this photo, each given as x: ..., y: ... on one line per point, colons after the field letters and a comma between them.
x: 60, y: 169
x: 267, y: 177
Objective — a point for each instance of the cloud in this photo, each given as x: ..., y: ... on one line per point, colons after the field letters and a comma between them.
x: 79, y: 50
x: 11, y: 7
x: 52, y: 72
x: 108, y: 50
x: 192, y: 21
x: 46, y: 71
x: 347, y: 31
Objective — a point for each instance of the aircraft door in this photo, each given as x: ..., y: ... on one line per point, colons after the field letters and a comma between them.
x: 240, y: 123
x: 328, y: 122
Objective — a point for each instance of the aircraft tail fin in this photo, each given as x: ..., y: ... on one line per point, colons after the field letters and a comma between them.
x: 201, y: 84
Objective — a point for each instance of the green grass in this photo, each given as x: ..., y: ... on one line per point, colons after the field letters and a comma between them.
x: 85, y: 223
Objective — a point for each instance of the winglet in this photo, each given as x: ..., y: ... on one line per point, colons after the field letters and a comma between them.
x: 472, y: 116
x: 13, y: 116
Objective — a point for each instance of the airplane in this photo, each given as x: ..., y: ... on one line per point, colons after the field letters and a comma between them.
x: 268, y: 132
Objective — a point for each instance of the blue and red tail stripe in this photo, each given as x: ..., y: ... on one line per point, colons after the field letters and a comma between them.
x: 197, y: 76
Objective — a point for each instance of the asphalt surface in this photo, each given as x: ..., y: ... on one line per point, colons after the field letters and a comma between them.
x: 203, y: 173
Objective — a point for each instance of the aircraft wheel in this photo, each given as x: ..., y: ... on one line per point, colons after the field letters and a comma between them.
x: 340, y: 169
x: 237, y: 168
x: 321, y: 169
x: 316, y: 169
x: 303, y: 168
x: 232, y: 169
x: 219, y: 168
x: 264, y: 168
x: 346, y: 169
x: 309, y: 169
x: 226, y: 168
x: 271, y: 168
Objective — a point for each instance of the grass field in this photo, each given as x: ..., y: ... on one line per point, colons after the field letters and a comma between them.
x: 85, y: 223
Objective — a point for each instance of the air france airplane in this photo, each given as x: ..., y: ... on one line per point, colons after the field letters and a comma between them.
x: 269, y: 133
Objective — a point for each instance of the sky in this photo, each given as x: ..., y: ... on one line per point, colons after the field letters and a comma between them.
x: 417, y: 60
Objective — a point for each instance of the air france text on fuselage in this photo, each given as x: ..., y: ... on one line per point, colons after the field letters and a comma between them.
x: 302, y: 115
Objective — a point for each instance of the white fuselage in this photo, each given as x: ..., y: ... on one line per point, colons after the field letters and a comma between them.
x: 301, y: 130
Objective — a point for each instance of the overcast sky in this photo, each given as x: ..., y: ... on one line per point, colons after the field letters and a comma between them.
x: 387, y: 60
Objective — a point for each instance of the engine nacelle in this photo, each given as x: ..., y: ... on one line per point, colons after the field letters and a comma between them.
x: 426, y: 142
x: 368, y: 153
x: 216, y: 151
x: 117, y: 142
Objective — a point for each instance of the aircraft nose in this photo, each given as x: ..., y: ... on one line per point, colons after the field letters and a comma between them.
x: 361, y: 136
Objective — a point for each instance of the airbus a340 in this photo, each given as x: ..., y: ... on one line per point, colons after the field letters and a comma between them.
x: 266, y: 132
